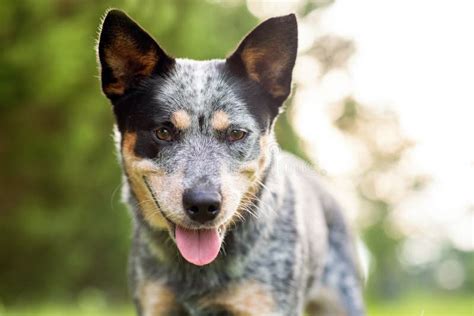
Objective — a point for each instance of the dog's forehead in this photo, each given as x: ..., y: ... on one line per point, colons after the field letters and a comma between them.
x: 200, y: 87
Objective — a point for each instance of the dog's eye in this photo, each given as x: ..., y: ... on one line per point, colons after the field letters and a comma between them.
x: 164, y: 134
x: 236, y: 134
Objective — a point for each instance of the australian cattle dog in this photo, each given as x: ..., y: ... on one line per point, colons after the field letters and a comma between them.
x: 224, y: 223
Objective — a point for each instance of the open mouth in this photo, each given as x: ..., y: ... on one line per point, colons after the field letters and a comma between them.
x: 197, y: 246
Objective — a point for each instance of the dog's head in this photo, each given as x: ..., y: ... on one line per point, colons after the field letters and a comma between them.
x: 195, y: 135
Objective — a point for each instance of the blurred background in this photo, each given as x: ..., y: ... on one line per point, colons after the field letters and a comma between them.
x: 382, y: 107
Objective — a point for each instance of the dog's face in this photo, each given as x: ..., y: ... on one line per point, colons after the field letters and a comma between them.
x: 195, y: 135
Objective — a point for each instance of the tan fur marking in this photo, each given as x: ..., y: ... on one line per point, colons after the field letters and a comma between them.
x: 254, y: 171
x: 114, y: 88
x: 156, y: 300
x: 252, y: 57
x: 128, y: 146
x: 127, y: 62
x: 248, y: 298
x: 135, y: 168
x: 220, y: 120
x: 181, y: 119
x: 328, y: 303
x: 255, y: 58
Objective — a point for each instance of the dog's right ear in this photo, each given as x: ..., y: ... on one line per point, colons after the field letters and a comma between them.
x: 127, y: 54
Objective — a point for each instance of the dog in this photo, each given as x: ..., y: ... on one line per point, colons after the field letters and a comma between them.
x: 224, y: 223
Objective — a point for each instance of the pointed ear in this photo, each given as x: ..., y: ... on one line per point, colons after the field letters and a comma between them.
x: 127, y: 54
x: 267, y: 55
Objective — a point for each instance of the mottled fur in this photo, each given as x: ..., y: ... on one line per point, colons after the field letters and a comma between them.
x: 286, y: 246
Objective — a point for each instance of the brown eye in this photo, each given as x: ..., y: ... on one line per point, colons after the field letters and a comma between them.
x: 236, y: 134
x: 164, y: 134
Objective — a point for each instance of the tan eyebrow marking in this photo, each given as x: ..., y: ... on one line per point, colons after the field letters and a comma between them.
x: 181, y: 119
x: 220, y: 120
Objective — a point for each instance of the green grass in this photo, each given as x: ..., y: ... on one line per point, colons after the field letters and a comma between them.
x: 410, y: 306
x: 68, y: 310
x: 425, y: 306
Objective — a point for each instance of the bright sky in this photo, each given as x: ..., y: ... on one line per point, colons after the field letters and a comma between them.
x: 415, y: 57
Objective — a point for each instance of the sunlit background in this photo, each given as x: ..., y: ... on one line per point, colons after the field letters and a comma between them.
x: 382, y: 107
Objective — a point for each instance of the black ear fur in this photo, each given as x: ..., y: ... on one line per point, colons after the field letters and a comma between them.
x: 267, y: 55
x: 127, y: 54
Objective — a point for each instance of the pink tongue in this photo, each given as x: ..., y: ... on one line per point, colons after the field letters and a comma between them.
x: 199, y: 247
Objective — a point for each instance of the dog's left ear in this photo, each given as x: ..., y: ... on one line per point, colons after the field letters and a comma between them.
x: 267, y: 55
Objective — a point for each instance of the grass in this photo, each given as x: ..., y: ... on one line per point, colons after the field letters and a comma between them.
x: 425, y: 306
x: 68, y: 310
x: 409, y: 306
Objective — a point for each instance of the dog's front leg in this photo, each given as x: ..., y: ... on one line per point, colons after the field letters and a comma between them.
x: 155, y: 299
x: 244, y: 298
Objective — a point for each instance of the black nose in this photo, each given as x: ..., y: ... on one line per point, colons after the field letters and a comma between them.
x: 202, y: 205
